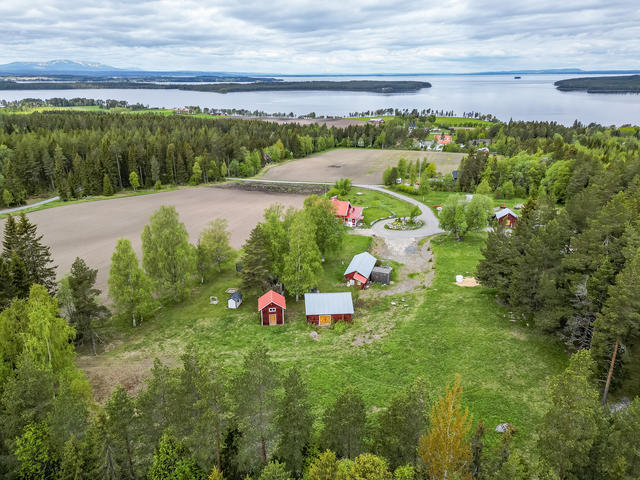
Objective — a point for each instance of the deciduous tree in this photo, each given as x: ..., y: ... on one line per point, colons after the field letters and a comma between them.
x: 303, y: 262
x: 167, y: 256
x: 129, y: 286
x: 213, y: 248
x: 445, y: 448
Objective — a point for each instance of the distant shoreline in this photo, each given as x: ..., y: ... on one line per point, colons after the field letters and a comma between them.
x: 373, y: 86
x: 617, y: 84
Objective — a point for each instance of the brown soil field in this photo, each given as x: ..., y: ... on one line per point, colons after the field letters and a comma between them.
x: 90, y: 230
x: 361, y: 166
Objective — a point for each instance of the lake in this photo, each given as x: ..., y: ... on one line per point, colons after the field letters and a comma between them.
x: 533, y: 97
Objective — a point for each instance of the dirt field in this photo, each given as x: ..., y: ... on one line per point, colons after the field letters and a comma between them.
x: 90, y: 230
x: 362, y: 166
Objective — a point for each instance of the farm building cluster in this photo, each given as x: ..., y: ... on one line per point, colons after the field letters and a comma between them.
x: 321, y: 309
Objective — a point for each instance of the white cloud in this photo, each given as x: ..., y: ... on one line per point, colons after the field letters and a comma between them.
x: 330, y: 36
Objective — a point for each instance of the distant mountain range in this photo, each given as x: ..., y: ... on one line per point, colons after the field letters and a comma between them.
x: 57, y: 67
x: 73, y: 67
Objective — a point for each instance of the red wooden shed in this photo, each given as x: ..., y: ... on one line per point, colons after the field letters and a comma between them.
x: 506, y: 217
x: 327, y: 308
x: 272, y: 307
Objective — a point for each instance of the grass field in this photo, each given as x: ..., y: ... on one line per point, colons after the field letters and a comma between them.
x: 445, y: 330
x: 436, y: 198
x: 378, y: 204
x: 449, y: 121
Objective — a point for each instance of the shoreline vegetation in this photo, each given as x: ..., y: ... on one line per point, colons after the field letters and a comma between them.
x: 618, y: 84
x: 375, y: 86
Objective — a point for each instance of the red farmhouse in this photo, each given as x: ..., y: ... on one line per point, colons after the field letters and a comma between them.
x: 272, y: 307
x: 444, y: 139
x: 506, y: 217
x: 346, y: 212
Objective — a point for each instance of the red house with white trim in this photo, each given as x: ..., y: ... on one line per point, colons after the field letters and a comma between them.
x: 350, y: 215
x: 506, y: 217
x: 272, y: 307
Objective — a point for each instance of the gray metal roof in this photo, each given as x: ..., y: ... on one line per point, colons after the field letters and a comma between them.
x: 504, y: 212
x: 236, y: 296
x: 382, y: 269
x: 328, y: 303
x: 362, y: 263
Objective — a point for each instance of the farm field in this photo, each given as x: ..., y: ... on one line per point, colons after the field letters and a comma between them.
x: 361, y: 166
x: 90, y: 230
x: 446, y: 329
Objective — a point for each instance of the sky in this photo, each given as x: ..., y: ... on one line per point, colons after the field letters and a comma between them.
x: 325, y: 36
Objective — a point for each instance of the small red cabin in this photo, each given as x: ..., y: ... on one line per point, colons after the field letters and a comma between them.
x: 507, y: 217
x: 272, y: 307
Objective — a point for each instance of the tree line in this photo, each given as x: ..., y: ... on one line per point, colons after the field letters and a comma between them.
x: 570, y: 265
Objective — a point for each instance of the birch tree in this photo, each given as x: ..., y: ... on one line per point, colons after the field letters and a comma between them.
x: 303, y: 262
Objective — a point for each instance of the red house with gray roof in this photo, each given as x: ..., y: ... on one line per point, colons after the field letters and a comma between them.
x: 323, y: 309
x: 350, y: 215
x: 359, y: 269
x: 272, y: 307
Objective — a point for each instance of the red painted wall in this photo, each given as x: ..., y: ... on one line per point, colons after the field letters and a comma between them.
x: 315, y: 319
x: 264, y: 314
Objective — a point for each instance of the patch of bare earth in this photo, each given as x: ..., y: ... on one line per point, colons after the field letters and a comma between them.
x: 90, y: 230
x: 361, y: 166
x: 468, y: 282
x: 417, y: 262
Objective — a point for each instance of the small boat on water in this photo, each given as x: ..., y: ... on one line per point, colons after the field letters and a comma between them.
x: 517, y: 78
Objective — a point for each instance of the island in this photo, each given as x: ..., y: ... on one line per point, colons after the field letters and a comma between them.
x: 373, y: 86
x: 617, y: 84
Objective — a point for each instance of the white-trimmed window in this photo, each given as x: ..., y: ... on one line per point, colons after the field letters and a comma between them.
x: 272, y: 309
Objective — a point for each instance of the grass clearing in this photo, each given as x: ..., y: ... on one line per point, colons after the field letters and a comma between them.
x: 445, y: 330
x: 378, y: 204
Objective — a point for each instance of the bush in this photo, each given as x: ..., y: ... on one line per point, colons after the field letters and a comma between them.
x: 158, y: 185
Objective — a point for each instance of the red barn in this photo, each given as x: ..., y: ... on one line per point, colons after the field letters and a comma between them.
x: 272, y: 307
x: 359, y: 270
x: 506, y: 217
x: 326, y: 308
x: 346, y: 212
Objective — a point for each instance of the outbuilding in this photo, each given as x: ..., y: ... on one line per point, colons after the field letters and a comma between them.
x: 323, y: 309
x: 272, y: 307
x: 235, y: 300
x: 359, y: 270
x: 506, y: 217
x: 349, y: 214
x: 381, y: 275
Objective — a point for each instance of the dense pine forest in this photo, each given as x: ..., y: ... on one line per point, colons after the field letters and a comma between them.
x: 570, y: 268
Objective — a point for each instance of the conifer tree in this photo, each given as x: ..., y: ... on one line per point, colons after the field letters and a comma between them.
x: 120, y: 422
x: 619, y: 322
x: 573, y: 423
x: 84, y: 299
x: 167, y: 256
x: 344, y: 424
x: 21, y: 237
x: 303, y: 262
x: 129, y: 286
x: 294, y: 421
x: 445, y: 448
x: 402, y: 423
x: 256, y: 386
x: 172, y: 460
x: 107, y: 188
x: 255, y: 261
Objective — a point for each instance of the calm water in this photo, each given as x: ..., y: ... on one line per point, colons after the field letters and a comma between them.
x: 531, y: 98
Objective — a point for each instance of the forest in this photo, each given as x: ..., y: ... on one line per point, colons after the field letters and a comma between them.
x: 608, y: 84
x: 377, y: 86
x: 570, y: 269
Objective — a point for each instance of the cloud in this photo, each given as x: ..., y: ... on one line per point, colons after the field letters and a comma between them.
x: 300, y: 36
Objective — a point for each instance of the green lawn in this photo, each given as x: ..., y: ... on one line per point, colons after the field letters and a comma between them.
x: 446, y: 330
x: 461, y: 122
x: 378, y: 204
x: 437, y: 198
